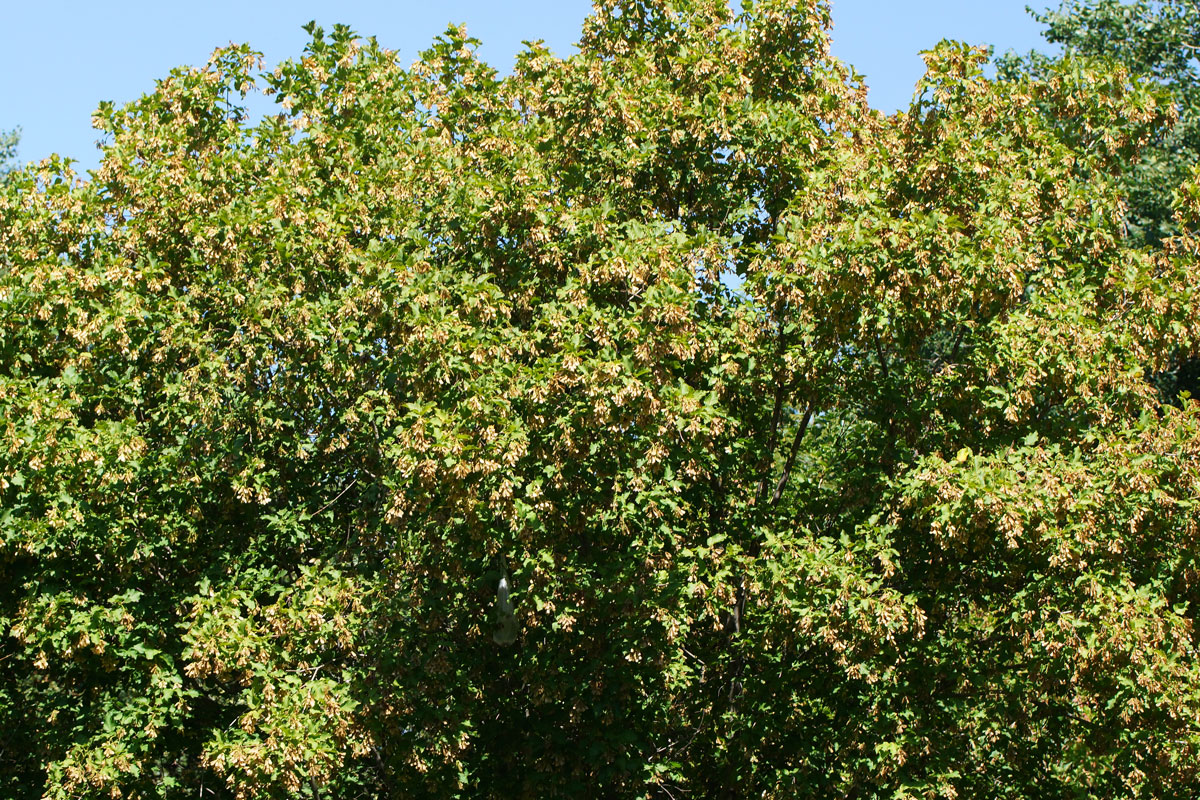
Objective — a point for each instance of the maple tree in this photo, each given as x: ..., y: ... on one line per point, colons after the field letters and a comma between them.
x: 1156, y: 41
x: 818, y: 451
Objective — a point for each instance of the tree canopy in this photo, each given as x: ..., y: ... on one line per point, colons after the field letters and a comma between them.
x: 818, y: 451
x: 1157, y: 41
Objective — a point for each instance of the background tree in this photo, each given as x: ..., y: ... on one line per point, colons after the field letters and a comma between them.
x: 8, y: 151
x: 900, y: 516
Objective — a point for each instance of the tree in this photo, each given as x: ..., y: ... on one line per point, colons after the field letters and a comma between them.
x: 8, y: 151
x: 1155, y: 40
x: 894, y: 514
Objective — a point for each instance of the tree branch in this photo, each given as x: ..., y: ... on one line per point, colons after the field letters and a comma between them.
x: 791, y: 459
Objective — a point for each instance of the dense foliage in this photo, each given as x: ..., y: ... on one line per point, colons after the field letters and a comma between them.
x: 1158, y: 41
x: 818, y: 451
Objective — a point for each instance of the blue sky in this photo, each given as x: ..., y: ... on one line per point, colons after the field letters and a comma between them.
x: 59, y: 58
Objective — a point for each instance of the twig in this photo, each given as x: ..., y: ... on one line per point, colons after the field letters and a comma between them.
x: 349, y: 486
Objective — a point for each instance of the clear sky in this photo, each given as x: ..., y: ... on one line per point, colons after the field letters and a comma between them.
x: 59, y: 58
